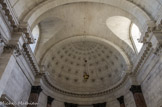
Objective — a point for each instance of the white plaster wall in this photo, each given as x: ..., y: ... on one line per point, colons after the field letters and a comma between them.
x: 18, y: 87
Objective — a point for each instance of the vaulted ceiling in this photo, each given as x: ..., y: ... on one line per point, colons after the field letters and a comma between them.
x: 72, y: 31
x: 65, y: 63
x: 77, y: 32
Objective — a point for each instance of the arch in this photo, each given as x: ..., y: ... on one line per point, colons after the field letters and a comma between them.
x: 36, y: 34
x: 126, y: 30
x: 120, y: 26
x: 139, y: 14
x: 135, y: 35
x: 47, y: 88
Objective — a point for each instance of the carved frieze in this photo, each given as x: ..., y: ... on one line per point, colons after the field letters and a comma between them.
x: 54, y: 88
x: 144, y: 55
x: 9, y: 48
x: 29, y: 58
x: 155, y: 31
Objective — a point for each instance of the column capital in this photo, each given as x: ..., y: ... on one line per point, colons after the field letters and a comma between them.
x: 121, y: 99
x: 36, y: 89
x: 9, y: 48
x: 49, y: 100
x: 136, y: 89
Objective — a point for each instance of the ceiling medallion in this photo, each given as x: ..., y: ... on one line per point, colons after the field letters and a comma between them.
x: 85, y: 76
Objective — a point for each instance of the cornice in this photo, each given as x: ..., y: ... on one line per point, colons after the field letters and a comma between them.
x: 143, y: 56
x: 28, y: 55
x: 150, y: 45
x: 13, y: 22
x: 95, y: 94
x: 18, y: 30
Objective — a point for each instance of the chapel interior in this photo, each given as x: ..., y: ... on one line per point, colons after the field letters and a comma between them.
x: 80, y: 53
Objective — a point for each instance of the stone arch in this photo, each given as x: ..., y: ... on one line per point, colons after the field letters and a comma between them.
x: 114, y: 38
x: 120, y: 26
x: 139, y: 14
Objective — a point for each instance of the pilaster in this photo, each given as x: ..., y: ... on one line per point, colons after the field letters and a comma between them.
x: 138, y: 96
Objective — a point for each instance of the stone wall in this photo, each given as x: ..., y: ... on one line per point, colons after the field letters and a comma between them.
x: 17, y: 85
x: 150, y: 78
x: 16, y: 82
x: 152, y: 7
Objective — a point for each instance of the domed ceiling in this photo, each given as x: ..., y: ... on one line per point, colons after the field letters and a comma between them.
x: 76, y: 19
x: 67, y: 61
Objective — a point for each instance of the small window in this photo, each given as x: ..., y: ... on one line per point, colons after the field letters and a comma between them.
x: 136, y: 34
x: 35, y: 33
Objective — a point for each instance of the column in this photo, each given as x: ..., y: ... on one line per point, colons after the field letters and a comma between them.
x: 34, y: 95
x: 70, y: 105
x: 121, y: 101
x: 138, y: 96
x: 8, y: 50
x: 49, y: 101
x: 100, y: 105
x: 7, y: 62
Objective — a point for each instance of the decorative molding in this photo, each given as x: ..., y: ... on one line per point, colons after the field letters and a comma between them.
x: 144, y: 56
x: 85, y: 95
x: 24, y: 27
x: 153, y: 28
x: 9, y: 48
x: 7, y: 14
x: 27, y: 53
x: 17, y: 51
x: 14, y: 25
x: 155, y: 31
x: 158, y: 50
x: 18, y: 30
x: 40, y: 74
